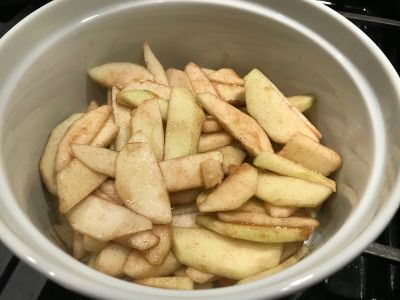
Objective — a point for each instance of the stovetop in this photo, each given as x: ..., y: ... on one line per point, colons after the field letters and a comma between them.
x: 367, y: 277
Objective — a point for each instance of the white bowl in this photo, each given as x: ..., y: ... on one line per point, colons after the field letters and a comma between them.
x: 301, y: 45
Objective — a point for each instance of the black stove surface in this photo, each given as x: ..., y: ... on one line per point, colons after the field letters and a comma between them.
x: 367, y: 277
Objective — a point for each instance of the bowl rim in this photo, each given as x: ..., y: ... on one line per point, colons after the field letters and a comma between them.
x: 18, y: 245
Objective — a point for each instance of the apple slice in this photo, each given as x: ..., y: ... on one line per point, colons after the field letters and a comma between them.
x: 227, y: 76
x: 290, y: 192
x: 100, y: 160
x: 283, y: 166
x: 118, y: 74
x: 65, y: 233
x: 289, y: 249
x: 115, y: 220
x: 264, y: 99
x: 184, y: 173
x: 154, y: 65
x: 178, y: 78
x: 46, y: 167
x: 265, y: 220
x: 279, y: 268
x: 213, y: 253
x: 214, y: 140
x: 122, y: 117
x: 233, y: 94
x: 184, y: 123
x: 184, y: 220
x: 141, y: 185
x: 210, y: 125
x: 78, y: 251
x: 232, y: 156
x: 235, y: 190
x: 108, y: 188
x: 241, y: 126
x: 211, y: 172
x: 142, y: 240
x: 302, y: 102
x: 278, y: 211
x: 157, y: 254
x: 111, y: 260
x: 255, y: 233
x: 106, y: 135
x: 82, y: 131
x: 92, y: 105
x: 138, y: 267
x: 75, y: 182
x: 199, y: 80
x: 199, y: 276
x: 207, y: 71
x: 160, y: 90
x: 93, y: 245
x: 184, y: 197
x: 133, y: 98
x: 311, y: 154
x: 147, y: 118
x: 253, y: 205
x: 172, y: 283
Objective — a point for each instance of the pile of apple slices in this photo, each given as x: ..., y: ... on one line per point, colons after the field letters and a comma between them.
x: 174, y: 182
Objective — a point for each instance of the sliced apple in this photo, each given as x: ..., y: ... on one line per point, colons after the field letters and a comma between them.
x: 199, y: 276
x: 214, y: 140
x: 138, y: 267
x: 141, y: 185
x: 184, y: 173
x: 265, y: 220
x: 122, y: 117
x: 147, y: 118
x: 255, y: 233
x: 199, y: 80
x: 133, y: 98
x: 213, y: 253
x: 157, y: 254
x: 278, y: 211
x: 279, y: 268
x: 65, y: 233
x: 290, y: 192
x: 227, y: 76
x: 302, y: 102
x: 118, y: 74
x: 184, y: 123
x: 82, y: 131
x: 253, y: 205
x: 184, y: 220
x: 290, y: 249
x: 115, y: 220
x: 108, y: 188
x: 233, y: 94
x: 264, y: 99
x: 160, y: 90
x: 178, y: 78
x: 46, y: 166
x: 98, y: 159
x: 184, y: 197
x: 311, y: 154
x: 93, y: 245
x: 92, y: 105
x: 107, y: 134
x: 232, y: 156
x: 283, y: 166
x: 78, y: 251
x: 111, y: 260
x: 211, y: 172
x: 210, y: 125
x: 235, y: 190
x: 142, y: 240
x: 75, y: 182
x: 241, y: 126
x: 207, y: 71
x: 154, y: 65
x: 171, y: 283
